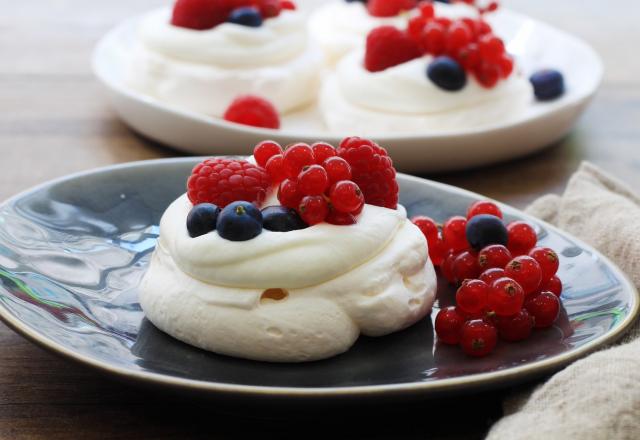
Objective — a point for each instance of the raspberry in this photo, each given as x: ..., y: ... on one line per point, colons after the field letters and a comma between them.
x: 526, y: 271
x: 372, y: 170
x: 522, y: 238
x: 322, y: 151
x: 478, y: 338
x: 265, y: 150
x: 223, y: 181
x: 199, y: 14
x: 454, y: 233
x: 505, y: 297
x: 275, y: 168
x: 313, y: 181
x: 448, y: 324
x: 465, y: 267
x: 548, y: 261
x: 296, y: 157
x: 471, y: 297
x: 490, y: 275
x: 346, y: 196
x: 313, y: 209
x: 515, y: 328
x: 388, y: 46
x: 483, y: 207
x: 544, y: 308
x: 494, y: 256
x: 254, y: 111
x: 288, y: 194
x: 337, y: 169
x: 554, y: 285
x: 389, y: 8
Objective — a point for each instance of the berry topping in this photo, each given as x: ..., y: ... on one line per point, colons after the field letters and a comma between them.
x: 490, y: 275
x: 281, y: 219
x: 522, y: 237
x: 483, y: 207
x: 515, y: 328
x: 275, y: 168
x: 313, y: 180
x: 253, y: 111
x: 323, y: 151
x: 554, y: 285
x: 505, y: 297
x: 340, y: 218
x: 548, y: 261
x: 346, y: 196
x: 454, y: 233
x: 296, y: 157
x: 313, y: 209
x: 478, y: 338
x: 526, y: 271
x: 388, y: 46
x: 264, y: 151
x: 288, y: 194
x: 202, y: 219
x: 446, y: 73
x: 372, y: 170
x: 429, y: 229
x: 222, y: 181
x: 246, y: 16
x: 337, y: 169
x: 448, y: 324
x: 494, y: 256
x: 239, y: 221
x: 288, y: 4
x: 547, y: 84
x: 271, y: 8
x: 389, y: 8
x: 465, y: 267
x: 484, y: 230
x: 544, y: 308
x: 472, y: 295
x: 199, y: 14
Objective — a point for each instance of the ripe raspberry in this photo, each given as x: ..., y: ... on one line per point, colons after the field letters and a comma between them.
x: 372, y: 170
x: 223, y: 181
x: 254, y: 111
x: 389, y: 8
x: 388, y: 46
x: 199, y: 14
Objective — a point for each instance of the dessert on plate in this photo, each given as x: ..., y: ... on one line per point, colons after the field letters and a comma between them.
x: 289, y: 256
x: 201, y: 55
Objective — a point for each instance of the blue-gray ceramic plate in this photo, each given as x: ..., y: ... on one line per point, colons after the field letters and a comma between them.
x: 72, y: 253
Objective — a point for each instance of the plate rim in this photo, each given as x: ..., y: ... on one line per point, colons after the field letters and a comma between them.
x: 424, y: 388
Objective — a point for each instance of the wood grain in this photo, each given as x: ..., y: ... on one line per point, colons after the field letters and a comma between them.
x: 54, y: 120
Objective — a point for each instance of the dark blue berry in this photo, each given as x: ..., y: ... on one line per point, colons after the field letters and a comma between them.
x: 281, y: 219
x: 447, y: 73
x: 246, y: 16
x: 239, y: 221
x: 202, y: 219
x: 547, y: 84
x: 484, y: 230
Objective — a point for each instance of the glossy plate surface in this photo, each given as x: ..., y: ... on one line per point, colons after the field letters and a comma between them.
x: 73, y: 251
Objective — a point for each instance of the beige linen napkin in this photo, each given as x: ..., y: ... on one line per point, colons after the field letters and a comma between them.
x: 597, y: 397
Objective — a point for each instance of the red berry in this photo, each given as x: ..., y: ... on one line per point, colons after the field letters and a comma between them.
x: 313, y: 209
x: 275, y: 168
x: 437, y: 251
x: 199, y: 14
x: 494, y: 255
x: 389, y: 8
x: 506, y: 65
x: 526, y: 271
x: 372, y: 170
x: 465, y: 267
x: 458, y: 36
x: 323, y: 151
x: 468, y: 56
x: 548, y: 261
x: 254, y: 111
x: 447, y: 266
x: 337, y: 169
x: 515, y: 328
x: 270, y: 8
x: 388, y: 46
x: 340, y: 218
x: 223, y: 181
x: 313, y: 181
x: 544, y: 308
x: 481, y: 27
x: 478, y: 338
x: 487, y: 74
x: 471, y: 297
x: 483, y: 207
x: 265, y: 150
x: 444, y: 21
x: 346, y: 196
x: 427, y: 10
x: 454, y: 233
x: 288, y: 194
x: 433, y: 38
x: 415, y: 27
x: 522, y: 238
x: 505, y: 297
x: 554, y: 285
x: 491, y: 48
x: 490, y: 275
x: 448, y: 325
x: 296, y: 157
x: 427, y: 226
x: 288, y: 4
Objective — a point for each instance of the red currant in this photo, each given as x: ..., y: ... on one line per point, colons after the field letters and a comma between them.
x: 491, y: 48
x: 313, y: 181
x: 437, y: 251
x: 340, y: 218
x: 313, y: 209
x: 448, y: 325
x: 515, y: 328
x: 494, y: 255
x: 429, y: 229
x: 544, y: 307
x: 483, y: 207
x: 548, y: 261
x: 415, y: 26
x: 337, y: 169
x: 447, y: 266
x: 458, y: 36
x: 468, y: 56
x: 454, y: 233
x: 427, y: 10
x: 522, y: 238
x: 323, y: 151
x: 482, y: 27
x: 554, y: 285
x: 478, y: 338
x: 288, y: 194
x: 490, y: 275
x: 433, y: 38
x: 275, y: 168
x: 346, y: 196
x: 265, y: 150
x: 465, y: 267
x: 505, y: 297
x: 487, y: 74
x: 506, y: 65
x: 288, y: 4
x: 296, y: 157
x: 471, y: 297
x: 526, y: 271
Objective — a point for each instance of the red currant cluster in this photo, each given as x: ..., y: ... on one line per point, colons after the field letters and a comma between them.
x: 504, y: 291
x: 469, y: 41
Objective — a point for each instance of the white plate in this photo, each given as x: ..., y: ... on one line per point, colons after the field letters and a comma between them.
x: 536, y: 45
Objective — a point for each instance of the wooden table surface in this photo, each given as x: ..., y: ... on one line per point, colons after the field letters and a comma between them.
x: 54, y: 120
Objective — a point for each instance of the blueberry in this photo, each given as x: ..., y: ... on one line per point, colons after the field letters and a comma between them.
x: 239, y: 221
x: 202, y: 219
x: 548, y: 84
x: 281, y: 219
x: 246, y: 16
x: 484, y: 230
x: 447, y: 73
